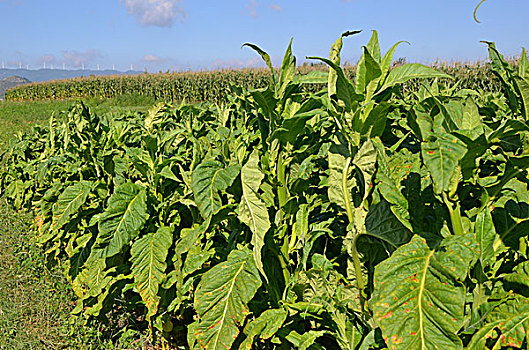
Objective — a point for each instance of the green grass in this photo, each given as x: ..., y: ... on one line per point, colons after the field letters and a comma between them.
x: 35, y: 298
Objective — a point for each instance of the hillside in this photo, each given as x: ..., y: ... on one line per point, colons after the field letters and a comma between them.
x: 38, y: 75
x: 9, y: 82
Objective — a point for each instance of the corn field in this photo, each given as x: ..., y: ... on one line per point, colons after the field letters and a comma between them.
x: 214, y: 86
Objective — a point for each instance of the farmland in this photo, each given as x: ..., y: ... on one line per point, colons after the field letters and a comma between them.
x: 380, y: 207
x: 215, y: 86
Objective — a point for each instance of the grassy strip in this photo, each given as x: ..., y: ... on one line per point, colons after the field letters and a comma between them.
x: 36, y: 299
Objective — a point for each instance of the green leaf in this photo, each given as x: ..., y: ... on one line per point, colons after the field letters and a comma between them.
x: 419, y: 299
x: 334, y: 57
x: 343, y: 88
x: 520, y: 275
x: 293, y: 126
x: 374, y: 47
x: 69, y: 202
x: 305, y: 340
x: 511, y: 319
x: 148, y: 256
x: 266, y: 100
x: 471, y: 120
x: 365, y: 160
x: 367, y: 70
x: 252, y: 210
x: 337, y: 159
x: 485, y: 234
x: 375, y: 122
x: 502, y: 69
x: 388, y: 57
x: 441, y: 154
x: 287, y: 72
x: 523, y: 87
x: 390, y: 188
x: 207, y: 180
x: 265, y: 58
x: 221, y: 299
x: 265, y: 326
x: 122, y: 220
x: 383, y: 225
x: 410, y: 71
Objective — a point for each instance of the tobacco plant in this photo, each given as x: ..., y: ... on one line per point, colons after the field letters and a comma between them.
x: 360, y: 216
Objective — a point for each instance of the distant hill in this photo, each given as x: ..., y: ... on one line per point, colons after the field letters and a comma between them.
x: 38, y: 75
x: 9, y: 82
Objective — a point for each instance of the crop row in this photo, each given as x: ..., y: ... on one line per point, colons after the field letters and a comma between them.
x: 211, y: 86
x: 356, y: 217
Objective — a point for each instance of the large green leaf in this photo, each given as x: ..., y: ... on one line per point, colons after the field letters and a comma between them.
x: 252, y: 210
x: 210, y: 177
x: 389, y: 187
x: 265, y: 57
x: 337, y: 159
x: 69, y: 202
x: 343, y: 89
x: 419, y: 299
x: 221, y: 299
x: 334, y: 57
x: 512, y: 320
x: 287, y: 71
x: 385, y: 63
x: 374, y: 47
x: 485, y: 234
x: 148, y: 256
x: 441, y: 154
x: 410, y: 71
x: 122, y: 220
x: 367, y: 70
x: 523, y: 87
x: 365, y: 161
x: 382, y: 224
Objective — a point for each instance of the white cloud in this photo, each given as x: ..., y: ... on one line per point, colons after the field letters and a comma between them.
x: 76, y: 58
x: 251, y: 8
x: 160, y: 13
x: 276, y: 7
x: 153, y: 58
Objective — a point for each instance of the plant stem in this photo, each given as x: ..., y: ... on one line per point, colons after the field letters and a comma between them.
x: 354, y: 252
x: 455, y: 216
x: 282, y: 189
x: 346, y: 195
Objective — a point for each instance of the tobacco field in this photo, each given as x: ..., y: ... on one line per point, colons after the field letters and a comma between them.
x: 358, y: 216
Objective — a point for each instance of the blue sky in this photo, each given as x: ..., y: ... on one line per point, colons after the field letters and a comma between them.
x: 205, y: 34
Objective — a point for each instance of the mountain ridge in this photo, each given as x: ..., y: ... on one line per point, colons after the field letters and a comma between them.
x: 11, y: 81
x: 46, y: 74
